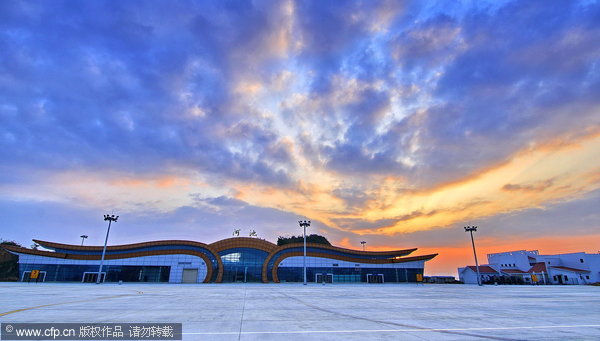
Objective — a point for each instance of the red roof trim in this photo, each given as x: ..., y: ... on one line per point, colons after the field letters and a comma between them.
x: 566, y: 268
x: 483, y: 269
x: 513, y: 271
x: 538, y: 267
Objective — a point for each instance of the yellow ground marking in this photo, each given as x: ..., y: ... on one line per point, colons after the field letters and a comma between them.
x: 61, y: 303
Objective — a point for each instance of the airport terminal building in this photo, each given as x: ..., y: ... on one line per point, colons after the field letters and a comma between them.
x: 239, y: 259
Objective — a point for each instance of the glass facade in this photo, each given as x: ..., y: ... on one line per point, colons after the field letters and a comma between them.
x: 242, y: 264
x: 157, y: 268
x: 347, y: 275
x: 332, y: 270
x: 114, y: 273
x: 206, y: 252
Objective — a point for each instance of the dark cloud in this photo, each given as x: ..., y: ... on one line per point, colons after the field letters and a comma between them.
x: 354, y: 197
x: 103, y: 85
x: 350, y: 224
x: 498, y: 98
x: 110, y: 85
x: 210, y: 220
x: 539, y: 186
x: 491, y: 98
x: 427, y: 45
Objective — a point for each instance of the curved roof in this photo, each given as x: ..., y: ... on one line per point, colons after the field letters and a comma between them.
x: 392, y: 253
x: 243, y: 242
x: 59, y: 246
x: 19, y: 249
x: 229, y: 243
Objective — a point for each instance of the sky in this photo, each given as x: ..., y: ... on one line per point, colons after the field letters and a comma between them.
x: 392, y: 122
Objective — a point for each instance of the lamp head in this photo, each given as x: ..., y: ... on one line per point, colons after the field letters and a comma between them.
x: 111, y: 217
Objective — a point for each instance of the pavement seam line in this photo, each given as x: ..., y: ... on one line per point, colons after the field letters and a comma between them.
x: 454, y: 332
x: 396, y: 330
x: 61, y: 303
x: 242, y: 318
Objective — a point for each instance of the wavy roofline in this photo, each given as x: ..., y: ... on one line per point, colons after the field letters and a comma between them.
x: 72, y: 247
x: 219, y: 246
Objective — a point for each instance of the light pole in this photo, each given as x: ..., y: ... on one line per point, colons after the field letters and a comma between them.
x: 110, y: 219
x: 304, y: 224
x: 363, y: 244
x: 83, y: 237
x: 471, y: 229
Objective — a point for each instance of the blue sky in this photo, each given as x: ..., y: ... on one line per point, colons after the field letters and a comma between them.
x: 392, y: 122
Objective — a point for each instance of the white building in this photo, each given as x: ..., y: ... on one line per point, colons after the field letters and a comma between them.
x: 529, y: 267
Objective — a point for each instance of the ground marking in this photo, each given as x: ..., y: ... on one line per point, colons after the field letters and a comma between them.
x: 61, y: 303
x: 396, y: 330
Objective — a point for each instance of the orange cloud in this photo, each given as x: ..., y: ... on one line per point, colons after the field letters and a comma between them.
x: 159, y: 182
x: 566, y: 172
x: 558, y: 170
x: 345, y: 242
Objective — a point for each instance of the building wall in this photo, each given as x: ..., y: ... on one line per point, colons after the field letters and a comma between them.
x: 468, y: 276
x: 577, y: 260
x: 593, y: 262
x: 511, y: 260
x: 573, y: 260
x: 176, y: 263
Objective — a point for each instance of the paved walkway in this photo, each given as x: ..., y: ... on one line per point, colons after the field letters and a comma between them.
x: 319, y: 312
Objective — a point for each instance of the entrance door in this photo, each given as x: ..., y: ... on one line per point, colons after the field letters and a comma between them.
x: 323, y: 278
x: 374, y: 278
x: 240, y: 275
x: 26, y: 277
x: 189, y: 276
x: 91, y: 277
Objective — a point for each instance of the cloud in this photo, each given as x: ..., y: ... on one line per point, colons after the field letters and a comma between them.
x: 134, y: 84
x: 537, y: 187
x: 209, y: 222
x: 137, y: 84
